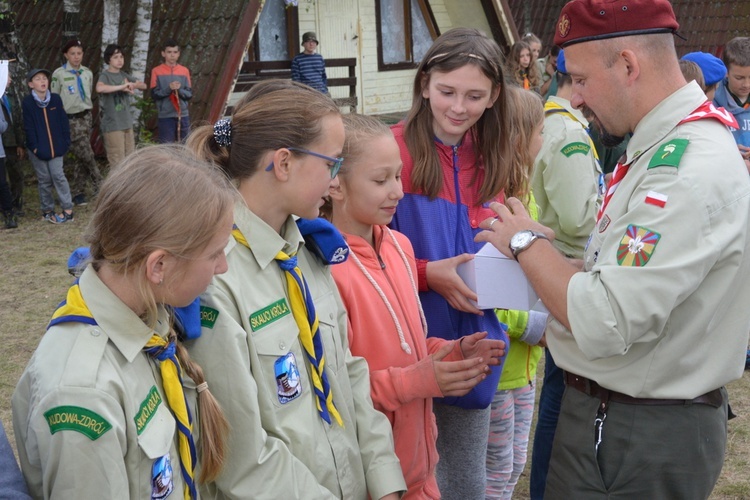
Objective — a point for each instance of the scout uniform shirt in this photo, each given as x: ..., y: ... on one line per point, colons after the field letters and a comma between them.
x: 65, y: 83
x: 249, y: 349
x: 661, y: 309
x: 565, y: 178
x: 89, y: 414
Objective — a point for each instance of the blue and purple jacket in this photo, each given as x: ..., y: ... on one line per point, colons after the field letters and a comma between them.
x: 442, y: 228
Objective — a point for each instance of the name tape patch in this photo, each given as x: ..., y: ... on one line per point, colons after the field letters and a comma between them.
x: 269, y: 314
x: 147, y: 409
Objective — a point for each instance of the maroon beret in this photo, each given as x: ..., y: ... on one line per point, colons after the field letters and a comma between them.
x: 586, y: 20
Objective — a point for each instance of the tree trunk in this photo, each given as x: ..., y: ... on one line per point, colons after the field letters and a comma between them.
x: 10, y: 48
x: 139, y: 57
x: 111, y: 24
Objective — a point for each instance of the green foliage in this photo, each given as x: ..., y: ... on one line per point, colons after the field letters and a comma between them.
x: 147, y: 109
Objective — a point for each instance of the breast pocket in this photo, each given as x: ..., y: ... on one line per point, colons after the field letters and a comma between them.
x: 281, y: 369
x: 158, y: 434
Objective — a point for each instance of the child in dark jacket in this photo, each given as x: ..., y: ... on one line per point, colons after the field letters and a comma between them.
x: 47, y: 140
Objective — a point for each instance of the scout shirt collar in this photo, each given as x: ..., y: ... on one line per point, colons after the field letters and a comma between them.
x: 264, y: 241
x: 570, y: 109
x: 124, y: 328
x: 660, y: 121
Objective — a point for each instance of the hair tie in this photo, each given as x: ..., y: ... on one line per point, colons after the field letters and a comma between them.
x: 223, y: 132
x: 203, y: 386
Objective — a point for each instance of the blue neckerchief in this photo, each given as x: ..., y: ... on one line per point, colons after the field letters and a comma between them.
x: 77, y: 73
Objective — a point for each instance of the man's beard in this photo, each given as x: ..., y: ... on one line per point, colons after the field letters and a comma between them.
x: 608, y: 140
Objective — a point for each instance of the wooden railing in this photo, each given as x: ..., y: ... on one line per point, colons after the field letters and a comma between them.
x: 253, y: 72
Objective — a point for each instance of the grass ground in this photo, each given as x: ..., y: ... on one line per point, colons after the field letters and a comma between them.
x: 35, y: 280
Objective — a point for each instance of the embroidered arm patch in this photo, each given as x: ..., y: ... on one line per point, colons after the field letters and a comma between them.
x: 76, y: 418
x: 637, y: 246
x: 669, y: 154
x: 575, y: 147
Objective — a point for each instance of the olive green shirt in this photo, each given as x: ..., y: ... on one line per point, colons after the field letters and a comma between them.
x: 279, y: 446
x: 65, y: 83
x: 89, y: 413
x: 661, y: 310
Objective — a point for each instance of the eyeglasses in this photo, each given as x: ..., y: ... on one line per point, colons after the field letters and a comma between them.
x: 337, y: 162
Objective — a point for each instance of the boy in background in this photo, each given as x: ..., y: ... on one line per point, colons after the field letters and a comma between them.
x: 734, y: 91
x: 73, y: 81
x: 115, y: 88
x: 47, y: 141
x: 309, y: 67
x: 712, y: 68
x: 171, y: 88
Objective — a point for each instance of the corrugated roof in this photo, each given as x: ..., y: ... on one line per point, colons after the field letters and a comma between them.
x: 206, y: 30
x: 706, y: 24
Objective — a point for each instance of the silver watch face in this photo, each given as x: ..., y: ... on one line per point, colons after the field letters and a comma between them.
x: 521, y: 239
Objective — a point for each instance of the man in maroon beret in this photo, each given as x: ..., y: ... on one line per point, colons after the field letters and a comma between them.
x: 654, y: 322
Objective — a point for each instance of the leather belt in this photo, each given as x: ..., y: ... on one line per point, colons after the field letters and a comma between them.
x: 591, y: 388
x: 79, y: 115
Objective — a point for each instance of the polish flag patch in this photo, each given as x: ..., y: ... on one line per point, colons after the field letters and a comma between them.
x: 658, y: 199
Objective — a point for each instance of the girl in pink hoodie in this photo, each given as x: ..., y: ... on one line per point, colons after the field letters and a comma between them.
x: 378, y: 284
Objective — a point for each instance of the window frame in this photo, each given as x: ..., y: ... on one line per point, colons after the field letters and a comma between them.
x: 292, y: 36
x: 432, y: 27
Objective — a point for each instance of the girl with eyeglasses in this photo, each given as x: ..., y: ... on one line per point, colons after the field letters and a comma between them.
x: 274, y: 340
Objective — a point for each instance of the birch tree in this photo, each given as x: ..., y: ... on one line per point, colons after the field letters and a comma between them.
x: 110, y: 24
x: 139, y: 57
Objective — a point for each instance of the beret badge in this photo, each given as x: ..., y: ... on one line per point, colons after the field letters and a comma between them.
x: 563, y: 26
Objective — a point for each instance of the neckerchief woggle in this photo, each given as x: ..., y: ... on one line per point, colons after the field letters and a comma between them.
x: 79, y: 81
x: 74, y: 309
x: 705, y: 110
x: 303, y: 310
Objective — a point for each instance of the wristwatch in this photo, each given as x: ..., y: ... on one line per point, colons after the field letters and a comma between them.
x: 523, y: 240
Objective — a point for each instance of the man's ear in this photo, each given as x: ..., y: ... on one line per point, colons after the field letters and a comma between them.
x: 632, y: 64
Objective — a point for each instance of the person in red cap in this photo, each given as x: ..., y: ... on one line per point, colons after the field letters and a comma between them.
x: 653, y: 323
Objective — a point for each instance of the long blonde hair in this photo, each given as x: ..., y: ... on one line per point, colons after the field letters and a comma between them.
x: 452, y: 50
x: 527, y: 113
x: 164, y: 198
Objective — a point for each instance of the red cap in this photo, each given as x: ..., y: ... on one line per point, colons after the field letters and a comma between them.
x: 586, y: 20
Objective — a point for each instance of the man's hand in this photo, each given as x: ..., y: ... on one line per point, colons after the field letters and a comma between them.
x: 511, y: 218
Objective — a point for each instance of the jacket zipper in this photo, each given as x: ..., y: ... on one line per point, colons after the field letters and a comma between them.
x: 49, y: 133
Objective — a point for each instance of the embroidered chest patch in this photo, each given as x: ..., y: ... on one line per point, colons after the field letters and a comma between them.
x: 637, y: 246
x: 288, y: 385
x: 75, y: 418
x: 269, y: 314
x: 147, y: 409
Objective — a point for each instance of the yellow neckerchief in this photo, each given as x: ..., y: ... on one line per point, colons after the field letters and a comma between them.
x: 74, y: 309
x: 303, y: 310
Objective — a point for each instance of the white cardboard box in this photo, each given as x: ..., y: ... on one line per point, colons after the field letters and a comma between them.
x: 498, y: 281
